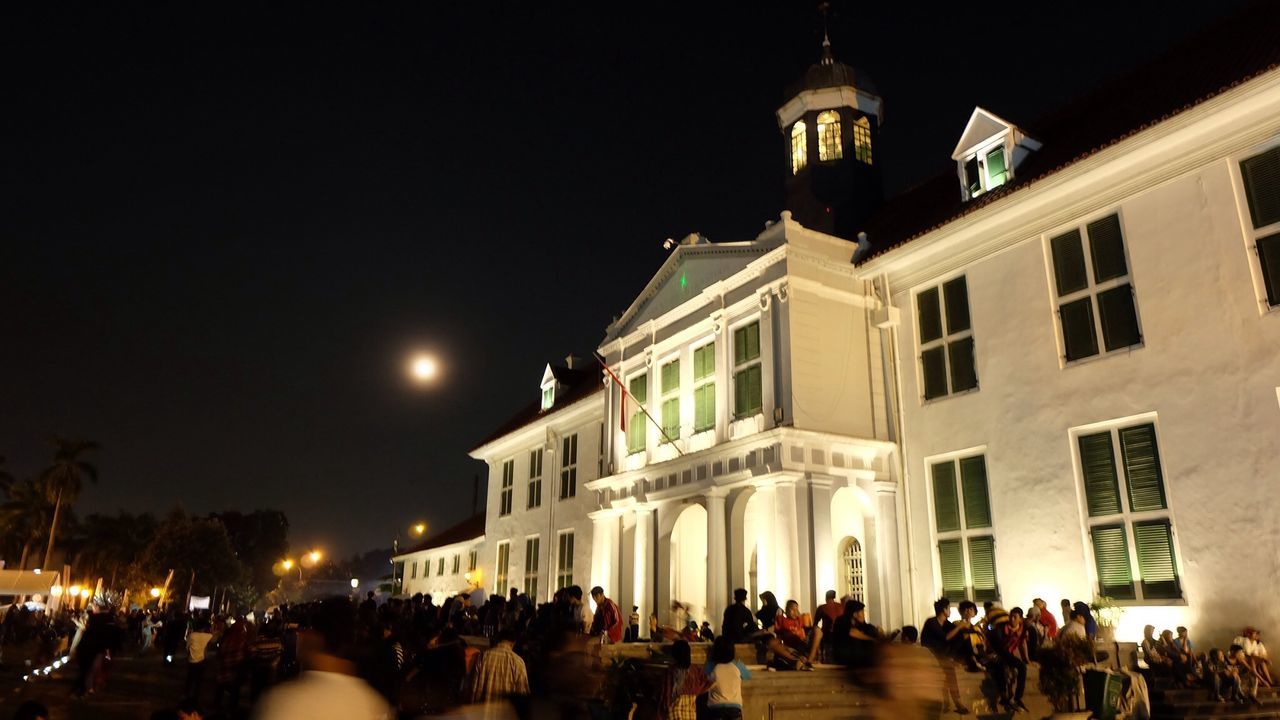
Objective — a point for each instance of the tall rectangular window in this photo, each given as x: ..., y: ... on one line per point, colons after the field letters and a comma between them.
x: 704, y: 387
x: 638, y: 426
x: 747, y: 392
x: 531, y: 561
x: 947, y: 363
x: 1094, y: 294
x: 504, y: 564
x: 670, y: 377
x: 440, y: 567
x: 569, y: 466
x: 508, y: 487
x: 564, y: 560
x: 1261, y: 176
x: 413, y: 571
x: 426, y: 568
x: 457, y: 561
x: 472, y: 561
x: 1128, y: 513
x: 534, y: 495
x: 962, y: 520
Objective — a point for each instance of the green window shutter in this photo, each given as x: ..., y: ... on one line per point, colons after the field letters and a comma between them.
x: 1106, y: 245
x: 1269, y: 258
x: 704, y: 361
x: 1157, y: 568
x: 973, y: 483
x: 1142, y: 473
x: 930, y: 315
x: 934, y: 365
x: 1119, y: 318
x: 704, y: 407
x: 640, y: 388
x: 671, y: 417
x: 946, y: 507
x: 746, y: 343
x: 671, y: 377
x: 1098, y: 464
x: 1068, y: 263
x: 1079, y: 339
x: 956, y: 294
x: 1111, y: 555
x: 747, y: 393
x: 1261, y: 175
x: 996, y: 174
x: 964, y: 376
x: 951, y: 563
x: 982, y: 568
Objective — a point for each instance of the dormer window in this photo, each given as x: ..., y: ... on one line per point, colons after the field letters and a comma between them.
x: 862, y: 140
x: 548, y: 396
x: 799, y: 147
x: 988, y: 152
x: 829, y: 146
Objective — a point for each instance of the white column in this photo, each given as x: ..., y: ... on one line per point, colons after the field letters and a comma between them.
x: 766, y: 542
x: 717, y: 572
x: 642, y: 570
x: 724, y: 377
x: 787, y: 557
x: 604, y: 541
x: 825, y: 569
x: 890, y: 579
x: 768, y: 366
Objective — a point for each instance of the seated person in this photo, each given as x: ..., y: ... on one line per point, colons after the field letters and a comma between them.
x: 1250, y: 641
x: 1154, y: 653
x: 1248, y: 676
x: 789, y: 628
x: 969, y: 645
x: 1182, y: 664
x: 1222, y: 678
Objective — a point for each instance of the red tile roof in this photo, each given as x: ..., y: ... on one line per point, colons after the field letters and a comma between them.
x: 575, y: 385
x: 1233, y: 50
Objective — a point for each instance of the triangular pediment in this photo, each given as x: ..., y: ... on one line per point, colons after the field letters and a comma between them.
x: 982, y: 126
x: 548, y: 377
x: 689, y: 270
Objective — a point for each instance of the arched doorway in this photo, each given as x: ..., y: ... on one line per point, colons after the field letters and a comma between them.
x: 852, y: 567
x: 689, y: 561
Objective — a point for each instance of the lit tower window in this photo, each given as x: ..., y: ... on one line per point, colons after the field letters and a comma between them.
x: 799, y: 147
x: 862, y: 140
x: 829, y: 145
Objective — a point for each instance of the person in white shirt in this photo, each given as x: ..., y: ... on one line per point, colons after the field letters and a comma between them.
x: 1251, y: 640
x: 328, y: 688
x: 724, y: 700
x: 1075, y: 628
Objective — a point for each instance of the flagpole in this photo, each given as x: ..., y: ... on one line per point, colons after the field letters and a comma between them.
x: 623, y: 406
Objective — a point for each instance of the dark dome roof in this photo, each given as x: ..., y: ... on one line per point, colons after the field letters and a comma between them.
x: 828, y: 72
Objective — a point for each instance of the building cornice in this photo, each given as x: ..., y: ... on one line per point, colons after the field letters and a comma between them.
x: 535, y: 432
x: 460, y: 545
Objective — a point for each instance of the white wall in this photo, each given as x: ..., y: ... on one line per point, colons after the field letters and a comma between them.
x: 1207, y: 369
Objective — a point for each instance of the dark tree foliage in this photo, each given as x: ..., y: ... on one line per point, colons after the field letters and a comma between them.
x: 260, y: 539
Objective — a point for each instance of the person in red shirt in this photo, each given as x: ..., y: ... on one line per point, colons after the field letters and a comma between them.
x: 789, y: 640
x: 608, y: 618
x: 1046, y: 619
x: 823, y: 621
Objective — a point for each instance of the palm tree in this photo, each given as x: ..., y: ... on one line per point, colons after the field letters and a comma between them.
x: 110, y: 543
x: 26, y: 514
x: 65, y: 478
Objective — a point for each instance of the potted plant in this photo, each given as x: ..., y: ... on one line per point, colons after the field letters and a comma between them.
x: 1060, y: 676
x: 1107, y: 614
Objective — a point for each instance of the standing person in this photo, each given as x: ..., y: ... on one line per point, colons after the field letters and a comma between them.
x: 93, y: 645
x: 1067, y: 611
x: 739, y: 624
x: 197, y: 642
x: 499, y: 673
x: 724, y: 701
x: 78, y: 621
x: 936, y: 636
x: 328, y: 688
x: 683, y: 684
x: 607, y: 621
x: 1013, y: 656
x: 233, y: 654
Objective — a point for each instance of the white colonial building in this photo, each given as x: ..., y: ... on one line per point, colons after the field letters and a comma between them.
x: 445, y: 563
x: 1052, y: 370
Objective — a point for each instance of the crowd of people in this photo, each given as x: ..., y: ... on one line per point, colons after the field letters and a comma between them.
x: 409, y: 657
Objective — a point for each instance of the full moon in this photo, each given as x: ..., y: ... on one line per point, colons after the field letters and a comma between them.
x: 424, y: 367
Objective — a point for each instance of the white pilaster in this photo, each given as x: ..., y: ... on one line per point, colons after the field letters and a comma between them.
x: 890, y: 595
x: 642, y: 564
x: 787, y: 557
x: 717, y: 572
x: 824, y: 552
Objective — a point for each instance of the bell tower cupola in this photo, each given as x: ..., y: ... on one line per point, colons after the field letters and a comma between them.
x: 830, y: 126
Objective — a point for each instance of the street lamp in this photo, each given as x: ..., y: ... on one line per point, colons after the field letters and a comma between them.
x: 155, y: 592
x: 354, y: 583
x: 420, y: 529
x: 315, y: 556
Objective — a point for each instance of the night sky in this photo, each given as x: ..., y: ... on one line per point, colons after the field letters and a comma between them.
x: 223, y: 236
